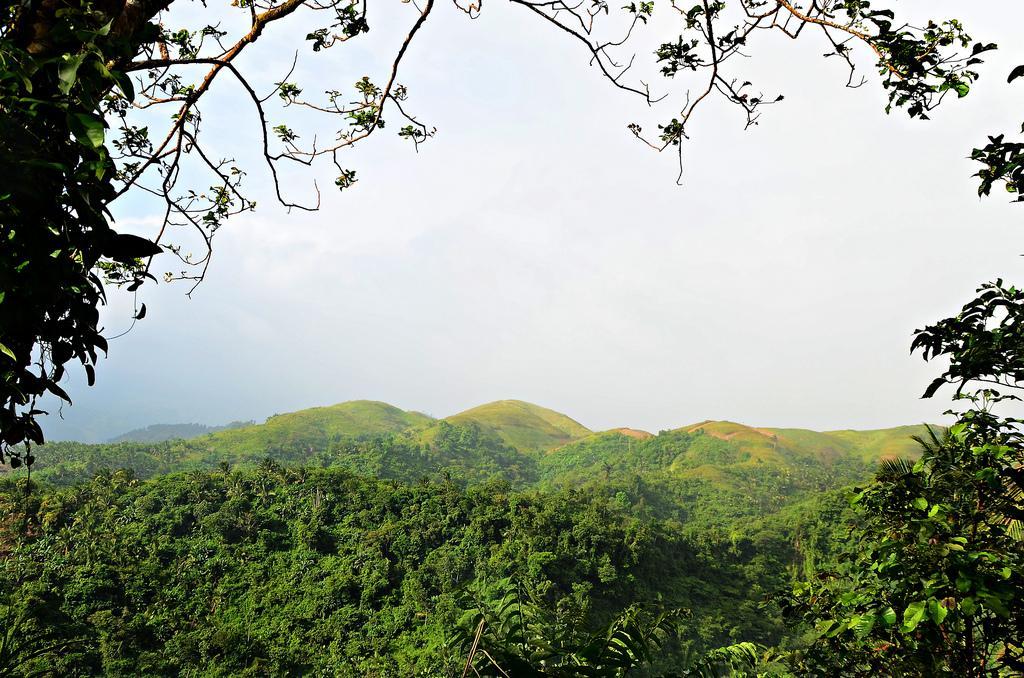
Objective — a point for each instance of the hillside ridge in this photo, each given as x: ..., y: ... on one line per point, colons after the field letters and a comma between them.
x: 523, y: 443
x: 522, y: 425
x: 362, y: 417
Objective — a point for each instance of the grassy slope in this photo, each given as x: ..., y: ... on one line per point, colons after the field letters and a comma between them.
x: 353, y: 419
x: 889, y: 442
x: 726, y: 454
x: 789, y: 445
x: 524, y: 426
x: 732, y: 455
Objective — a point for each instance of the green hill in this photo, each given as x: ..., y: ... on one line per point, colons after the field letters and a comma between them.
x: 793, y: 446
x: 317, y: 426
x: 882, y: 443
x: 361, y: 535
x: 524, y: 426
x: 759, y: 462
x: 525, y: 444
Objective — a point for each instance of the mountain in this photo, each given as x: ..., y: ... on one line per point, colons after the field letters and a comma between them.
x: 523, y: 426
x: 882, y: 443
x: 159, y: 432
x: 769, y: 467
x: 801, y: 449
x: 313, y: 428
x: 525, y: 444
x: 365, y: 522
x: 360, y: 535
x: 791, y: 445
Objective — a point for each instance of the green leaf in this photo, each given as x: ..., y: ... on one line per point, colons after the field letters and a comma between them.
x: 920, y: 503
x: 862, y: 626
x: 824, y: 626
x: 8, y: 352
x: 68, y: 72
x: 836, y: 630
x: 87, y: 128
x: 995, y: 603
x: 124, y: 83
x: 889, y: 616
x: 913, y: 615
x: 937, y: 611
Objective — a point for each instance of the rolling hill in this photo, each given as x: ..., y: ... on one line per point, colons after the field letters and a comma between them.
x: 523, y: 426
x: 367, y: 524
x: 769, y: 466
x: 790, y: 445
x: 523, y: 443
x: 316, y: 426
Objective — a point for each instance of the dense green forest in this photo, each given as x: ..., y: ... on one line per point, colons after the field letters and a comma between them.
x: 362, y: 540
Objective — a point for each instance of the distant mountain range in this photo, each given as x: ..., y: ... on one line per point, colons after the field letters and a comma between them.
x: 521, y: 425
x: 365, y: 521
x: 528, y: 445
x: 155, y: 433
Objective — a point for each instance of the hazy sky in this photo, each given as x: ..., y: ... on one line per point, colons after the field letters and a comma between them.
x: 534, y: 250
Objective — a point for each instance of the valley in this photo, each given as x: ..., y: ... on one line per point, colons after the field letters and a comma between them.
x: 358, y: 539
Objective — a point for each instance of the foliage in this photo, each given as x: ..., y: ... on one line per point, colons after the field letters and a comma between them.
x: 763, y: 468
x: 158, y: 432
x: 303, y: 570
x: 207, y: 565
x: 58, y: 177
x: 934, y: 581
x: 1003, y: 160
x: 984, y: 342
x: 34, y: 632
x: 67, y: 81
x: 517, y: 637
x: 281, y: 571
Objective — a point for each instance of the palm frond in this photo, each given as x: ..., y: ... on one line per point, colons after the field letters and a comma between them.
x: 725, y: 661
x: 894, y: 469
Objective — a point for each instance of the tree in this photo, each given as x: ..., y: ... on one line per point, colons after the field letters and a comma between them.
x: 77, y: 73
x: 514, y: 636
x: 933, y: 583
x: 1003, y: 160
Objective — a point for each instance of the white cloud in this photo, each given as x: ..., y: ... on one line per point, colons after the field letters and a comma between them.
x: 533, y: 250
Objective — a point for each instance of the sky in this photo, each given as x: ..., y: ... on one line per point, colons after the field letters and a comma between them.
x: 534, y: 250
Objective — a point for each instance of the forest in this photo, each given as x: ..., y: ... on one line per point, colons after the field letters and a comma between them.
x: 363, y: 540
